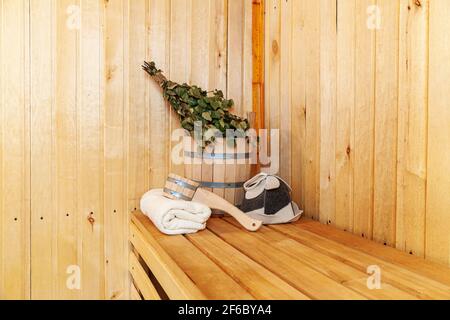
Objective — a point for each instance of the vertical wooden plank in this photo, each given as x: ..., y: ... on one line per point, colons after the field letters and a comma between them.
x: 236, y: 20
x: 43, y: 220
x: 438, y: 186
x: 138, y: 100
x: 247, y: 58
x: 114, y: 148
x: 298, y: 84
x: 285, y: 103
x: 218, y: 44
x: 219, y: 55
x: 313, y: 104
x: 180, y: 64
x: 272, y: 84
x: 202, y: 64
x: 65, y: 131
x: 138, y: 129
x: 14, y: 154
x: 327, y: 113
x: 201, y: 36
x: 386, y: 109
x: 235, y: 80
x: 364, y: 120
x: 244, y: 167
x: 258, y: 35
x: 2, y: 177
x: 90, y: 151
x: 345, y: 113
x: 158, y: 51
x: 413, y: 116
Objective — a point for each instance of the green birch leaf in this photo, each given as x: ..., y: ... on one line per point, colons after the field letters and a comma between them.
x: 207, y: 116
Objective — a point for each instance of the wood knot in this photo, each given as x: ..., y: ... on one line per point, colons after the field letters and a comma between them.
x: 275, y: 47
x: 110, y: 72
x: 418, y: 3
x: 91, y: 219
x: 349, y: 150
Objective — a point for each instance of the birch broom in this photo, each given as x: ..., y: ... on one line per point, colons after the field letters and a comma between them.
x: 194, y: 105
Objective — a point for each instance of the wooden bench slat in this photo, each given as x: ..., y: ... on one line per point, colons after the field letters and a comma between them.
x: 141, y: 279
x: 134, y: 294
x: 338, y: 271
x: 296, y: 261
x: 257, y: 280
x: 413, y: 283
x: 387, y: 291
x: 415, y: 264
x: 172, y: 278
x: 309, y: 281
x: 198, y: 266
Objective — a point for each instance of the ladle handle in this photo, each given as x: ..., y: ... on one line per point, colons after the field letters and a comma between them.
x: 215, y: 202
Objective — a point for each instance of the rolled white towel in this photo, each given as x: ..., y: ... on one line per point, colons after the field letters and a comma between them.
x: 174, y: 217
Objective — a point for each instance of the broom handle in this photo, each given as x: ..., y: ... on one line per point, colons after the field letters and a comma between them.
x: 215, y: 202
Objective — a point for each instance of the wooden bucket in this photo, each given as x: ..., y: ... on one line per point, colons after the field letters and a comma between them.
x: 221, y: 168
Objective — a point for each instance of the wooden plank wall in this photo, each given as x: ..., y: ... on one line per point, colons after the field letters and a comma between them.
x: 368, y: 141
x: 14, y: 150
x: 84, y: 132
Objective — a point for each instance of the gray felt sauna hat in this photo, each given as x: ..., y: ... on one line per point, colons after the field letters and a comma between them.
x: 268, y: 199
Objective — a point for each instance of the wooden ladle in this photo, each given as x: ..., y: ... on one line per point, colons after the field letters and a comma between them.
x: 184, y: 189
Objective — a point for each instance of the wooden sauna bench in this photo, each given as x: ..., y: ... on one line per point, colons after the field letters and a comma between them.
x: 305, y: 260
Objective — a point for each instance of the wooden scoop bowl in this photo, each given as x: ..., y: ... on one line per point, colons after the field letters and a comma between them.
x: 184, y: 189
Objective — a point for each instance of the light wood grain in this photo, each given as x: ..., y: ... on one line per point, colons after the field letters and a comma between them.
x: 141, y: 279
x: 338, y: 271
x: 95, y: 149
x: 434, y: 271
x: 90, y: 167
x: 201, y: 269
x: 257, y: 280
x: 173, y: 280
x: 345, y: 113
x: 413, y: 283
x: 181, y: 47
x: 386, y: 113
x: 361, y: 116
x: 320, y: 262
x: 99, y: 135
x: 14, y: 154
x: 43, y: 219
x: 438, y: 201
x: 298, y: 84
x: 115, y: 215
x: 66, y: 60
x: 159, y: 119
x: 286, y: 94
x: 201, y: 59
x: 213, y: 201
x: 313, y: 105
x: 312, y: 283
x: 327, y: 113
x: 134, y: 294
x: 364, y: 132
x: 412, y: 130
x: 138, y: 100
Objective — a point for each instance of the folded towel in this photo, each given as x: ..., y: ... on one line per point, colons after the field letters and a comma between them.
x: 174, y: 217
